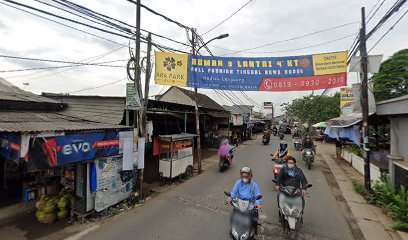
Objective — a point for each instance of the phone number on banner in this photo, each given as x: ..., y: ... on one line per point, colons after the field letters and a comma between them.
x: 303, y: 83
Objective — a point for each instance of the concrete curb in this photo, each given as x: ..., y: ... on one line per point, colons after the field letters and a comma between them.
x: 367, y: 219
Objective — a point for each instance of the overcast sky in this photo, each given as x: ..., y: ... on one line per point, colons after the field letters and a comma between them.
x: 259, y: 23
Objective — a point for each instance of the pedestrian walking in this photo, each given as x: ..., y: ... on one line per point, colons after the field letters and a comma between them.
x: 339, y: 148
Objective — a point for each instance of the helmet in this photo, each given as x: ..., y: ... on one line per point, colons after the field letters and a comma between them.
x: 283, y: 145
x: 245, y: 170
x: 308, y: 137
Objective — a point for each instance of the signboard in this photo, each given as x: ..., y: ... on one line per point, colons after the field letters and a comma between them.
x: 132, y: 97
x: 274, y: 74
x: 267, y: 108
x: 237, y: 119
x: 110, y: 187
x: 346, y: 101
x: 10, y: 147
x: 80, y: 147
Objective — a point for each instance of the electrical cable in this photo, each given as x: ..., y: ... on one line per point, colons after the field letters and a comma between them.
x: 290, y: 39
x: 58, y: 61
x: 229, y: 17
x: 100, y: 86
x: 159, y: 14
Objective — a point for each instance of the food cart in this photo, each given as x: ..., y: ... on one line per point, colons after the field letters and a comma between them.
x: 176, y: 155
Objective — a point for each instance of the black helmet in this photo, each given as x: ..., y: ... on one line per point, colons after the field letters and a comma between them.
x: 245, y: 170
x: 283, y: 145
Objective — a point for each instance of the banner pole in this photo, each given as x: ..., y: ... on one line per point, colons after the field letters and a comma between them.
x: 197, y: 113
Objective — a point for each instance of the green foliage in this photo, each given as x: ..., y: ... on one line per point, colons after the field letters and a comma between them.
x: 396, y: 201
x: 354, y: 149
x: 314, y: 109
x: 392, y: 79
x: 359, y: 188
x: 383, y: 193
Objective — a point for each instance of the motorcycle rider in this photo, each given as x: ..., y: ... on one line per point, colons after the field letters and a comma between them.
x: 246, y: 189
x: 283, y: 151
x: 292, y: 175
x: 224, y: 152
x: 297, y: 134
x: 308, y: 144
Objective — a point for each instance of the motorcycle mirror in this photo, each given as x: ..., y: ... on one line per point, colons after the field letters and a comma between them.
x: 309, y: 185
x: 274, y: 181
x: 227, y: 193
x: 258, y: 197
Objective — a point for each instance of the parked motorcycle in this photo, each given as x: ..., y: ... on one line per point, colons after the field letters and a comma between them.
x: 290, y: 205
x: 297, y: 143
x: 242, y: 226
x: 224, y: 162
x: 308, y: 157
x: 277, y: 167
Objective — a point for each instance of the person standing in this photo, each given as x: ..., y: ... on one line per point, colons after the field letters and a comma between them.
x: 339, y: 148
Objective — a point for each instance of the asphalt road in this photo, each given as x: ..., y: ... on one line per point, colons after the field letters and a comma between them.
x: 196, y: 210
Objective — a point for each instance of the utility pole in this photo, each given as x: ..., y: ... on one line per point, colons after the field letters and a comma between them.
x: 138, y: 86
x: 197, y: 114
x: 364, y: 94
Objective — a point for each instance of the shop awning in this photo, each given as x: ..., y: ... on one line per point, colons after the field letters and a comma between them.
x: 180, y: 136
x: 345, y: 121
x: 319, y: 125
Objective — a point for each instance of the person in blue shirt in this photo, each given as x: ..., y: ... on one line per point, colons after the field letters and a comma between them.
x: 245, y: 189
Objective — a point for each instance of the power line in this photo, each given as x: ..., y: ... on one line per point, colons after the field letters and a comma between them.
x: 290, y: 39
x: 229, y: 17
x: 58, y: 61
x: 378, y: 8
x: 159, y: 14
x: 100, y: 86
x: 100, y: 64
x: 68, y: 19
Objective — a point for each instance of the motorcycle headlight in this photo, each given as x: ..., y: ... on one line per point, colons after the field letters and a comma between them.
x: 234, y: 233
x: 286, y: 211
x: 245, y: 236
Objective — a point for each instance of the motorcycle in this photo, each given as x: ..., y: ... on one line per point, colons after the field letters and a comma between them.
x: 290, y: 205
x: 224, y: 162
x: 266, y: 139
x: 277, y: 167
x: 308, y: 157
x: 242, y: 226
x: 297, y: 143
x: 281, y: 135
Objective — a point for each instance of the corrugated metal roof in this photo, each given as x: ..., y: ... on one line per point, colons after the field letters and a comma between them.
x: 9, y: 92
x: 45, y: 121
x: 202, y: 99
x: 94, y: 108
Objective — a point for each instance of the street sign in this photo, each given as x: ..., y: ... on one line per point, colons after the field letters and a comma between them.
x: 132, y: 97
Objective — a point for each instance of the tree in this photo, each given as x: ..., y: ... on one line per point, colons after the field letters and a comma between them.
x: 392, y: 79
x: 314, y: 109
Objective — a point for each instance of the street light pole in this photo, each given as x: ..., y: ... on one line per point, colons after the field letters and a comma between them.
x: 197, y: 113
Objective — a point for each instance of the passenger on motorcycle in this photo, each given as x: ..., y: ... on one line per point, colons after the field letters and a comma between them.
x: 245, y: 189
x: 283, y: 151
x: 297, y: 134
x: 224, y: 151
x: 292, y: 175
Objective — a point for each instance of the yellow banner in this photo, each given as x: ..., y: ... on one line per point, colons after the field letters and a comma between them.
x: 330, y: 63
x: 346, y: 101
x: 171, y: 69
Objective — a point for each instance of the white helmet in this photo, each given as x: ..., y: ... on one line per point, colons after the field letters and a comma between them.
x: 246, y: 170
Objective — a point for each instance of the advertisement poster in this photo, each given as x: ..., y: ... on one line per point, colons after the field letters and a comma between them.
x: 267, y: 108
x: 110, y: 187
x: 80, y: 147
x: 10, y: 147
x: 132, y: 97
x: 274, y: 74
x: 346, y: 101
x: 42, y: 154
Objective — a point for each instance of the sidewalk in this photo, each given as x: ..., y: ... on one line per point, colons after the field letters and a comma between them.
x: 370, y: 219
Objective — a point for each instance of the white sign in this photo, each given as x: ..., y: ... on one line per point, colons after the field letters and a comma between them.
x: 110, y: 187
x: 141, y: 152
x: 374, y: 62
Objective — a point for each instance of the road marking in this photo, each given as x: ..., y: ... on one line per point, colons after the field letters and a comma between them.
x: 83, y: 233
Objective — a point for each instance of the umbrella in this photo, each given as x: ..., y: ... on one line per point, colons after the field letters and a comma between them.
x: 319, y: 125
